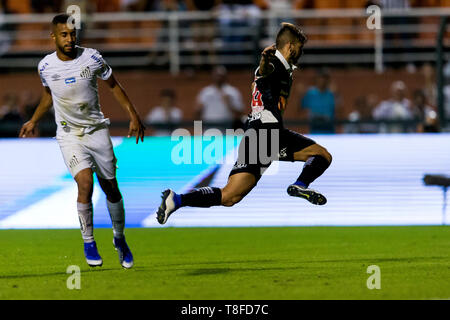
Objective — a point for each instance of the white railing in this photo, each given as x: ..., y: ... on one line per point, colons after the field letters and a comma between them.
x: 177, y: 39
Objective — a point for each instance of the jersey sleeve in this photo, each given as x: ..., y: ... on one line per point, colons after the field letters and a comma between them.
x: 102, y: 70
x: 41, y: 68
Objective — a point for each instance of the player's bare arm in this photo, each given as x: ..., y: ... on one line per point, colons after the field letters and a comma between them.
x: 136, y: 126
x: 44, y: 105
x: 265, y: 67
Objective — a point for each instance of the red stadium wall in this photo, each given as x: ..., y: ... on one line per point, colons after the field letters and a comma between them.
x: 144, y: 87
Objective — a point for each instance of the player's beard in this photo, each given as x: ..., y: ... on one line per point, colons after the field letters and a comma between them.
x: 69, y: 51
x: 296, y: 60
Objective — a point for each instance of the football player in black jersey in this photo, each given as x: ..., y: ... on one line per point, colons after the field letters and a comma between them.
x: 264, y: 131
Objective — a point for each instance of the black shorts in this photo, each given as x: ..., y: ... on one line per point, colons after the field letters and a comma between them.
x: 265, y: 143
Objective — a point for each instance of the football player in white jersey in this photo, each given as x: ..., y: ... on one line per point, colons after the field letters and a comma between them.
x: 69, y: 76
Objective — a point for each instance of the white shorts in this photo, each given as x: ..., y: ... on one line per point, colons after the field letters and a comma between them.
x: 92, y: 150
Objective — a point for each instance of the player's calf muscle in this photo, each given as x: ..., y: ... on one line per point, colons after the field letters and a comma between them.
x: 231, y: 197
x: 229, y: 200
x: 324, y: 153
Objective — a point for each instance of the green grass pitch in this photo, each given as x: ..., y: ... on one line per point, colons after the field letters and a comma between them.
x: 232, y: 263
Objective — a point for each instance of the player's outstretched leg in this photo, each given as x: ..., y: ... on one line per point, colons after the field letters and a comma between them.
x: 238, y: 186
x: 114, y: 203
x: 317, y: 160
x: 84, y: 206
x: 204, y: 197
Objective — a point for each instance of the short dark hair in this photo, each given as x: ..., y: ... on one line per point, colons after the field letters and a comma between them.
x: 289, y: 33
x: 60, y: 18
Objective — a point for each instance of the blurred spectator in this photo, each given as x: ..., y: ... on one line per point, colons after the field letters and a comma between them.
x: 131, y: 5
x: 239, y: 25
x: 278, y: 6
x: 46, y: 6
x: 5, y: 29
x: 220, y: 102
x: 427, y: 114
x: 28, y: 104
x: 107, y: 5
x: 171, y: 5
x: 202, y: 43
x: 320, y: 101
x: 9, y: 106
x: 430, y: 89
x: 160, y: 56
x: 446, y: 90
x: 362, y: 112
x: 166, y: 112
x: 202, y: 5
x: 398, y: 107
x: 395, y: 21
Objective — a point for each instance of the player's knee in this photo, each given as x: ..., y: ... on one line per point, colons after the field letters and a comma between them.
x: 113, y: 195
x: 85, y: 186
x: 111, y: 189
x: 321, y: 151
x: 328, y: 156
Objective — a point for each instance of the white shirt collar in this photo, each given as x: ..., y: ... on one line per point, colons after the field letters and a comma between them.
x: 284, y: 61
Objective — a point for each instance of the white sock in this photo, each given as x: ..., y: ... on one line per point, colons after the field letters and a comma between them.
x: 117, y: 214
x: 86, y: 224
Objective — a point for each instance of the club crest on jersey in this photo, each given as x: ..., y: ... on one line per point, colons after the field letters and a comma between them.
x: 86, y: 73
x: 70, y: 80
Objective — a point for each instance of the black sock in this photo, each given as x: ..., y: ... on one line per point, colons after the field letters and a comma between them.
x: 204, y: 197
x: 314, y: 167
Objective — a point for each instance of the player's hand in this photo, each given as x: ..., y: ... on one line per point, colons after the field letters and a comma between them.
x: 28, y: 129
x: 267, y: 54
x: 137, y: 128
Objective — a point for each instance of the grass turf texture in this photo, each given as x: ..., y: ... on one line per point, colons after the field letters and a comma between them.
x: 232, y: 263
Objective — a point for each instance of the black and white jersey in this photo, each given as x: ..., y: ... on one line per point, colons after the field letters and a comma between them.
x: 270, y: 93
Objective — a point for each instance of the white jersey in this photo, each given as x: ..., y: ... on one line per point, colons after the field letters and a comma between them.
x: 214, y: 106
x: 74, y: 90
